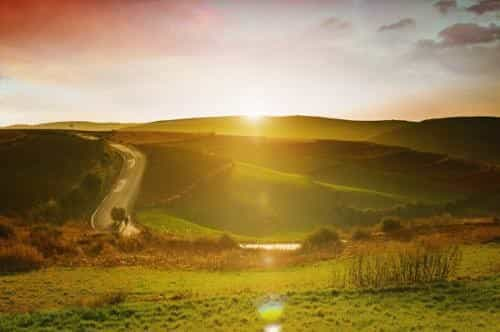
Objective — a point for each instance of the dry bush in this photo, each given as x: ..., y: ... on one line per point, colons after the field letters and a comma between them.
x: 6, y: 231
x: 321, y: 238
x: 404, y: 266
x: 390, y: 224
x: 361, y: 235
x: 227, y: 242
x: 49, y: 241
x: 103, y: 300
x: 19, y: 258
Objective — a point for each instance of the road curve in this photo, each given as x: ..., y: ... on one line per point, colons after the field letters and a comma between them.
x: 123, y: 192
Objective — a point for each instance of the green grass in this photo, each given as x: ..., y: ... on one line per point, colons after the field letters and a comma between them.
x: 259, y: 202
x: 229, y: 301
x: 159, y: 221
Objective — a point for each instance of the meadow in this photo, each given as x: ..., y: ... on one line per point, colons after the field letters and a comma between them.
x: 305, y: 298
x: 392, y: 238
x: 264, y: 187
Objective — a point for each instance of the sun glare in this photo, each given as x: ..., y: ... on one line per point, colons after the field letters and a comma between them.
x: 254, y: 117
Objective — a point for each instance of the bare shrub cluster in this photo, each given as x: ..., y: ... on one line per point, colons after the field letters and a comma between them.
x: 19, y: 258
x: 404, y: 266
x: 103, y: 300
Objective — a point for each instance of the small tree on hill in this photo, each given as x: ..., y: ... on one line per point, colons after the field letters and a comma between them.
x: 119, y: 215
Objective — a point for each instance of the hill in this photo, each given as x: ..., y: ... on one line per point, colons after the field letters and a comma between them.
x: 259, y: 186
x: 73, y: 125
x: 476, y: 138
x: 53, y: 176
x: 255, y: 201
x: 292, y: 127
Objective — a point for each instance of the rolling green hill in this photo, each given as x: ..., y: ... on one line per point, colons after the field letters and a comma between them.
x: 475, y: 138
x: 295, y: 127
x: 426, y: 177
x: 52, y: 176
x: 74, y: 125
x: 255, y: 201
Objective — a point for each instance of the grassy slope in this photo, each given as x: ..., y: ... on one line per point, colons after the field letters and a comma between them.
x: 471, y: 138
x: 228, y: 301
x: 420, y: 176
x: 292, y: 185
x: 44, y: 166
x: 300, y: 127
x: 75, y: 125
x: 256, y: 201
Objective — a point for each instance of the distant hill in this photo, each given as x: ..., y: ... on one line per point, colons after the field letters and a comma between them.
x: 476, y: 138
x: 53, y: 176
x: 76, y: 125
x: 292, y: 127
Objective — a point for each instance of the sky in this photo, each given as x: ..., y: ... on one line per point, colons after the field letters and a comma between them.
x: 147, y: 60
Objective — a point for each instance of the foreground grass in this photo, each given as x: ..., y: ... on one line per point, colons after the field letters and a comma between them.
x: 229, y: 301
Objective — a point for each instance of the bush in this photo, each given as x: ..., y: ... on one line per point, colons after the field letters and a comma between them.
x: 321, y: 238
x: 48, y: 240
x: 103, y: 300
x: 496, y: 220
x: 360, y: 235
x: 404, y: 267
x: 19, y: 258
x: 391, y: 224
x: 227, y: 242
x: 6, y: 231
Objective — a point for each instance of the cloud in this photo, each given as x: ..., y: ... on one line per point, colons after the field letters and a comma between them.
x: 469, y: 33
x: 336, y: 24
x: 445, y: 6
x: 406, y: 23
x: 485, y: 6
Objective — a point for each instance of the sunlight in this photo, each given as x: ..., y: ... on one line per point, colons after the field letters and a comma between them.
x: 254, y: 117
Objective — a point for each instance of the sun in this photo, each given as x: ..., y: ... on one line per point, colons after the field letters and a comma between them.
x: 254, y: 117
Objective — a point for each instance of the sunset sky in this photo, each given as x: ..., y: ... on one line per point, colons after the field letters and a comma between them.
x: 146, y: 60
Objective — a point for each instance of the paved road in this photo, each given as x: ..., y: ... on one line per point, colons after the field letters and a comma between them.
x: 124, y: 192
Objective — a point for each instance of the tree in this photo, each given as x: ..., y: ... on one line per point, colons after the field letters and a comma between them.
x: 119, y: 215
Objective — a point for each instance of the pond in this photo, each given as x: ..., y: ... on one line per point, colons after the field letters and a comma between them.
x: 271, y: 246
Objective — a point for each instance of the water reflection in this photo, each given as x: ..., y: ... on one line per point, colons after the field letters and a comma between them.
x: 272, y: 328
x: 271, y: 246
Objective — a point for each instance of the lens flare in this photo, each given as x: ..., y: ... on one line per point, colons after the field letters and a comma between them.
x: 271, y: 311
x: 272, y: 328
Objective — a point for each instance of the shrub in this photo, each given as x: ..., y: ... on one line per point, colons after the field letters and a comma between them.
x: 496, y: 220
x: 48, y: 240
x: 6, y: 231
x: 19, y: 258
x: 321, y: 238
x: 391, y: 224
x: 227, y: 242
x: 404, y: 267
x: 103, y: 300
x: 360, y: 235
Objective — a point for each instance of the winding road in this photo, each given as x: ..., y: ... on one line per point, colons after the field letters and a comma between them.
x: 123, y: 193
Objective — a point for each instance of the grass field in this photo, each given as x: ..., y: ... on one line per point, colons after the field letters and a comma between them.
x: 255, y: 201
x: 75, y: 125
x: 227, y: 301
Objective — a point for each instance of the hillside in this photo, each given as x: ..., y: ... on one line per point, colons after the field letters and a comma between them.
x: 294, y: 127
x: 260, y: 186
x: 73, y: 125
x: 256, y: 201
x: 420, y: 176
x: 475, y: 138
x: 53, y: 176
